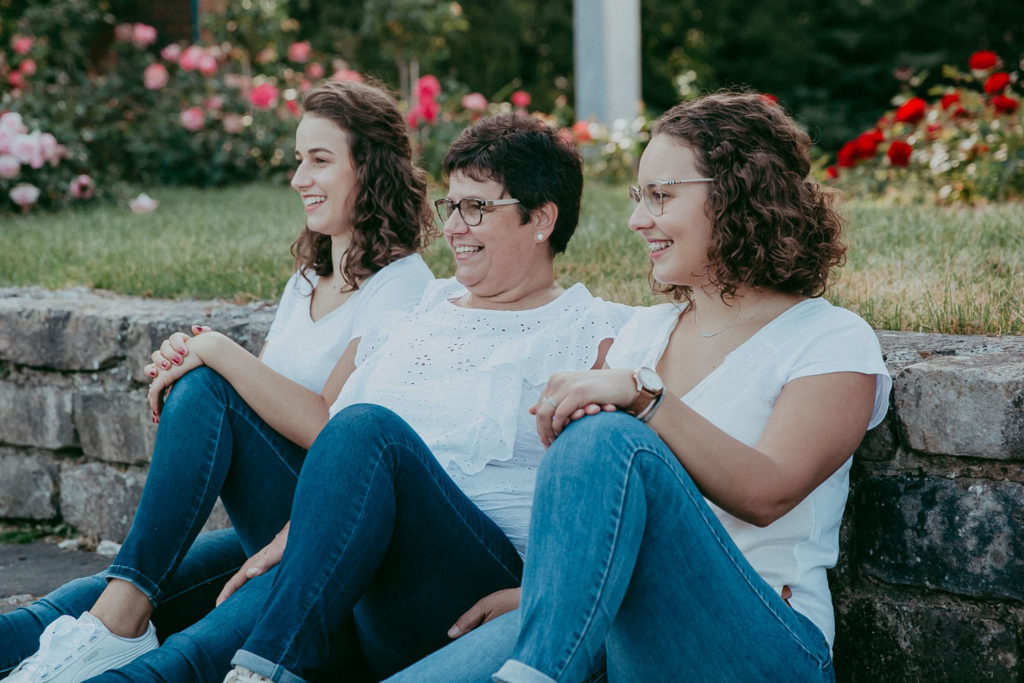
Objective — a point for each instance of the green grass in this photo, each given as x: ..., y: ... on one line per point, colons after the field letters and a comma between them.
x: 920, y: 268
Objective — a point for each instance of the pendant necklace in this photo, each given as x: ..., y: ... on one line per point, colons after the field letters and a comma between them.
x: 709, y: 335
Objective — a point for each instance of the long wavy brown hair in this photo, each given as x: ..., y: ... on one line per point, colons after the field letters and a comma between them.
x: 391, y: 216
x: 772, y: 226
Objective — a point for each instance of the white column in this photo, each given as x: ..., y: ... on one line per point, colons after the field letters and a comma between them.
x: 606, y: 51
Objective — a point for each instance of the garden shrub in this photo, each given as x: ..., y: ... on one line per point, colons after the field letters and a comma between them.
x: 962, y: 142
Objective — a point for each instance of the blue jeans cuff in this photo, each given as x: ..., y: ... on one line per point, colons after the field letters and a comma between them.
x: 137, y: 579
x: 264, y: 667
x: 517, y: 672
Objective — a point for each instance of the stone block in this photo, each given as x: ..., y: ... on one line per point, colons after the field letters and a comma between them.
x: 879, y: 639
x: 99, y: 499
x: 961, y: 535
x: 967, y: 406
x: 218, y: 518
x: 880, y: 443
x: 29, y: 484
x: 36, y: 416
x: 66, y: 331
x: 115, y: 427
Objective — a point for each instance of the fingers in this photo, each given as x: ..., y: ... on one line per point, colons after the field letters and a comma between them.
x: 233, y: 584
x: 470, y: 620
x: 173, y: 351
x: 199, y: 329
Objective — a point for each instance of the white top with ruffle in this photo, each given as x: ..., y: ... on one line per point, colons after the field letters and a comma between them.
x: 464, y: 378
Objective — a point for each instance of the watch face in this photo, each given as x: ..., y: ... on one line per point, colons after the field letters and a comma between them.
x: 650, y: 380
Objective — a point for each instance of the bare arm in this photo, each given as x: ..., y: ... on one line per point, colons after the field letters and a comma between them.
x: 288, y: 407
x: 816, y: 423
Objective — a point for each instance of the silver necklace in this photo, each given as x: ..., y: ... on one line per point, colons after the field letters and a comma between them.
x: 709, y: 335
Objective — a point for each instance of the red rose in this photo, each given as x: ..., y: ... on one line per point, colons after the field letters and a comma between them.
x: 997, y: 82
x: 263, y: 96
x: 983, y: 59
x: 847, y: 157
x: 831, y: 172
x: 520, y: 98
x: 867, y: 143
x: 769, y: 98
x: 899, y: 153
x: 1004, y: 104
x: 911, y: 111
x: 949, y: 99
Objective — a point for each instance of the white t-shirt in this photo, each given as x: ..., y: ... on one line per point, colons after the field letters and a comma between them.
x: 463, y: 378
x: 812, y: 337
x: 306, y: 351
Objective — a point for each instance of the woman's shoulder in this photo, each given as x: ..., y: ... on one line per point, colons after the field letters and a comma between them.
x: 644, y: 336
x: 815, y: 318
x: 410, y: 269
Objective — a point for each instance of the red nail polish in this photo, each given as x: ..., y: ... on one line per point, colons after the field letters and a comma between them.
x: 177, y: 360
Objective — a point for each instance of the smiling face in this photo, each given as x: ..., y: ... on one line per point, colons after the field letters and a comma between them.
x: 678, y: 239
x: 325, y: 177
x: 500, y: 260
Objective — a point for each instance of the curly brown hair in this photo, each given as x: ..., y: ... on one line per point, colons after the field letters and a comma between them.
x: 391, y: 215
x: 772, y: 226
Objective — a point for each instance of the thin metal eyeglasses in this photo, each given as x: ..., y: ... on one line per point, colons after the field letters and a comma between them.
x: 652, y: 195
x: 471, y: 210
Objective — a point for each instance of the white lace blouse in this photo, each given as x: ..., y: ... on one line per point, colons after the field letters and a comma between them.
x: 463, y: 378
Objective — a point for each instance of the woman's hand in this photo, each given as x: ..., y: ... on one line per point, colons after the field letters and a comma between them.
x: 258, y: 564
x: 487, y: 608
x: 170, y: 363
x: 571, y: 395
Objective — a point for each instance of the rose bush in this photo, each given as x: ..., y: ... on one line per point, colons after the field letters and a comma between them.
x: 962, y: 142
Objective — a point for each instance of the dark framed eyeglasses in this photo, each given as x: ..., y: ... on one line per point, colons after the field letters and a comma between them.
x: 471, y: 210
x: 652, y: 195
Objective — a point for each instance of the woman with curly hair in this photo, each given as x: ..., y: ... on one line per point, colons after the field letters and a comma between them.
x: 367, y: 216
x: 689, y: 502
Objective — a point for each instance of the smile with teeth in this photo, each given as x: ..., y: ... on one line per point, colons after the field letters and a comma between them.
x: 658, y: 246
x: 314, y: 200
x: 467, y: 249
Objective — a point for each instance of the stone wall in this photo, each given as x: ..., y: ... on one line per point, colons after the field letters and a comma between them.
x: 930, y: 584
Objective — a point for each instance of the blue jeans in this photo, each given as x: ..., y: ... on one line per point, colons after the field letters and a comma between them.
x: 627, y: 558
x: 384, y: 549
x: 209, y: 443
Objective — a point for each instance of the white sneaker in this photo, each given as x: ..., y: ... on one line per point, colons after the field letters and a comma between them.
x: 242, y: 675
x: 72, y: 650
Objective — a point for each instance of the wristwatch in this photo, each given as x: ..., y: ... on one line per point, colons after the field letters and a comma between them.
x: 650, y: 390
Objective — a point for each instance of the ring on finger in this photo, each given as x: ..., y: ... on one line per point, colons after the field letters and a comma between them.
x: 553, y: 402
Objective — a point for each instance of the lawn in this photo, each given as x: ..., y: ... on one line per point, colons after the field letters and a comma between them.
x: 917, y: 268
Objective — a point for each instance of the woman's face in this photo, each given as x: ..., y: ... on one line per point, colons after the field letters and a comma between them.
x: 501, y: 257
x: 679, y: 238
x: 325, y: 177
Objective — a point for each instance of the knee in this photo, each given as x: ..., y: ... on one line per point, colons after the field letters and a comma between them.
x: 595, y: 439
x: 198, y: 387
x: 359, y: 421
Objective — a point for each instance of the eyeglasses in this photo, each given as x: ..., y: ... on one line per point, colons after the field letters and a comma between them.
x: 471, y: 210
x: 652, y: 195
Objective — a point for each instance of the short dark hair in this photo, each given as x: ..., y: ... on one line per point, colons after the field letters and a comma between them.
x: 772, y: 226
x: 391, y: 214
x: 531, y: 160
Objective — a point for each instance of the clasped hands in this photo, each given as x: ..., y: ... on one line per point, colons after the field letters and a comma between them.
x: 170, y: 363
x: 572, y: 395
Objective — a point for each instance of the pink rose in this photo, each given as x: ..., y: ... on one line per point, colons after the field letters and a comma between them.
x: 16, y: 80
x: 22, y: 45
x: 347, y: 75
x: 207, y: 64
x: 155, y: 76
x: 143, y: 35
x: 11, y: 124
x: 263, y: 96
x: 82, y: 187
x: 192, y: 119
x: 299, y: 52
x: 171, y: 52
x: 189, y: 60
x: 427, y: 88
x: 9, y: 166
x: 520, y: 98
x: 214, y: 103
x: 24, y: 195
x: 123, y: 33
x: 51, y: 150
x: 27, y: 67
x: 27, y: 149
x: 266, y: 55
x: 143, y: 203
x: 233, y: 123
x: 474, y: 101
x: 315, y: 71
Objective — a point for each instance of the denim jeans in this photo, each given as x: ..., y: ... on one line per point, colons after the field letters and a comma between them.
x: 625, y: 554
x: 209, y: 443
x: 383, y: 547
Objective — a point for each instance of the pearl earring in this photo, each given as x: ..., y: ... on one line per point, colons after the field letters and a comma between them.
x: 540, y: 237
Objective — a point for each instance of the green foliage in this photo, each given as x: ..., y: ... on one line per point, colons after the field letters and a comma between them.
x: 963, y: 146
x: 31, y: 531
